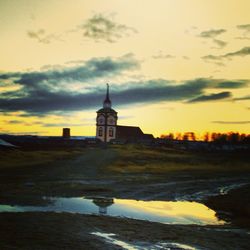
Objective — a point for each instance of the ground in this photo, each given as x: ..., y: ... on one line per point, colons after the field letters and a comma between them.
x: 124, y: 171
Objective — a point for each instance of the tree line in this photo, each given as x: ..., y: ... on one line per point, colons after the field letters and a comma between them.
x: 230, y: 137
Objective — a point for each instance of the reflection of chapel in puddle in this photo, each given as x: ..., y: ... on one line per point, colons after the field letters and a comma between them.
x: 103, y: 204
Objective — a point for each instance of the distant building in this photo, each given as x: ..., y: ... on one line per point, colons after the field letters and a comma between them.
x: 66, y: 133
x: 107, y: 128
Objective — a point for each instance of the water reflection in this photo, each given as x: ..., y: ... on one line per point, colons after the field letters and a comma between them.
x: 103, y: 204
x: 179, y: 212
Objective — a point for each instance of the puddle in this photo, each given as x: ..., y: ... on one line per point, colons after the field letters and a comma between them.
x: 109, y: 238
x: 178, y: 212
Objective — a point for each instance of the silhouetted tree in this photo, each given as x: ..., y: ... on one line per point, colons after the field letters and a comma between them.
x: 206, y: 137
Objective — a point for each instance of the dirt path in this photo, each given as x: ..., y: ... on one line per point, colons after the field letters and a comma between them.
x: 69, y: 231
x: 89, y: 174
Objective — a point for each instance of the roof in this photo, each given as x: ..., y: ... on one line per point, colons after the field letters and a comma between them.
x: 128, y: 132
x: 148, y: 136
x: 106, y: 110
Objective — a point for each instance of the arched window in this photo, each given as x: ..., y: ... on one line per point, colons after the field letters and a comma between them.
x: 111, y: 132
x: 100, y: 131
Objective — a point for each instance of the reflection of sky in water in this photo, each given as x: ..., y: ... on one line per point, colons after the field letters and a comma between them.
x: 179, y: 212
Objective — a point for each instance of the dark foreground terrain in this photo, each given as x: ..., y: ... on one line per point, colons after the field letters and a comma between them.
x: 69, y: 231
x: 220, y: 180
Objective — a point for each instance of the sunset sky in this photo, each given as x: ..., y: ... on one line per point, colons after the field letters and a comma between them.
x: 172, y: 65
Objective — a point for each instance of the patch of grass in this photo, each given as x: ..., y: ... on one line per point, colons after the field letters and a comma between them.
x: 20, y: 158
x: 142, y: 159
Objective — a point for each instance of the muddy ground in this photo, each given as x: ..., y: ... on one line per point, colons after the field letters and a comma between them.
x: 124, y: 172
x: 70, y: 231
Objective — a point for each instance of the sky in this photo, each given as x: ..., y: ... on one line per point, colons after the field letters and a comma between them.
x: 172, y: 65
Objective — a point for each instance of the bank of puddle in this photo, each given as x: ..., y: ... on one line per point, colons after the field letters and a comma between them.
x: 168, y: 212
x: 111, y: 239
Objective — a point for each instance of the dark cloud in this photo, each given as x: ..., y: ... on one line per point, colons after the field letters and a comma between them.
x: 211, y: 97
x: 92, y: 69
x: 158, y: 90
x: 42, y: 37
x: 245, y: 27
x: 212, y: 33
x: 242, y: 52
x: 218, y: 60
x: 232, y: 84
x: 220, y: 43
x: 231, y: 122
x: 137, y: 92
x: 100, y: 27
x: 52, y: 91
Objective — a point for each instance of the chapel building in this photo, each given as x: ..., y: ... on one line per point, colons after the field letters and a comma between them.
x: 107, y: 129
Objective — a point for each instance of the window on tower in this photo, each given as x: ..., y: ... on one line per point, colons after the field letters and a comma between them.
x: 111, y: 132
x: 101, y: 120
x: 100, y: 131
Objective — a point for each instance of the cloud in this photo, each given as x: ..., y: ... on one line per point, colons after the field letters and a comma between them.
x: 242, y: 52
x: 211, y: 97
x: 244, y: 27
x: 70, y: 124
x: 219, y: 60
x: 136, y: 92
x: 65, y: 89
x: 54, y: 89
x: 53, y: 78
x: 162, y: 55
x: 246, y: 31
x: 231, y: 122
x: 125, y: 117
x: 42, y: 37
x: 57, y: 124
x: 220, y: 43
x: 243, y: 98
x: 101, y: 28
x: 212, y: 33
x: 14, y: 122
x: 232, y: 84
x: 242, y: 38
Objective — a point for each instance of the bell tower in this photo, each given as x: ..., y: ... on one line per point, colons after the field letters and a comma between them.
x: 106, y: 120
